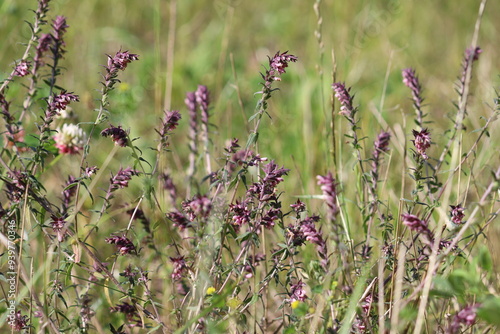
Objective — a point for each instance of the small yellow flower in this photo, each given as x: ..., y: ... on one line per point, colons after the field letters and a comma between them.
x: 123, y: 87
x: 295, y: 304
x: 233, y: 302
x: 210, y: 291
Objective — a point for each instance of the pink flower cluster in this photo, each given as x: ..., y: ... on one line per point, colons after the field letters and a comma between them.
x: 343, y: 94
x: 422, y: 142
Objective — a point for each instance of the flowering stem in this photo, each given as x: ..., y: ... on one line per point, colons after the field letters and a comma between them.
x: 202, y: 99
x: 116, y: 63
x: 277, y: 66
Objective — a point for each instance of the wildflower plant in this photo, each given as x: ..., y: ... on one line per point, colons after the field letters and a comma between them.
x: 103, y: 231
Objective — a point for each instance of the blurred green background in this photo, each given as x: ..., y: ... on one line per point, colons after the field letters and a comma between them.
x: 224, y: 44
x: 185, y: 43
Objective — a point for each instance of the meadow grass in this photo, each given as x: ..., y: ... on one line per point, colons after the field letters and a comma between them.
x: 360, y: 195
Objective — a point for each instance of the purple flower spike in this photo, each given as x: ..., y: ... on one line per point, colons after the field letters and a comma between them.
x: 232, y: 147
x: 344, y: 96
x: 197, y: 207
x: 280, y: 61
x: 457, y: 214
x: 381, y: 144
x: 297, y: 292
x: 328, y: 186
x: 120, y: 180
x: 89, y: 171
x: 269, y: 218
x: 308, y: 229
x: 22, y: 69
x: 124, y: 245
x: 265, y: 190
x: 203, y: 100
x: 274, y: 174
x: 190, y: 101
x: 168, y: 184
x: 121, y: 60
x: 117, y: 134
x: 298, y: 206
x: 180, y: 267
x: 170, y: 122
x: 473, y: 53
x: 18, y: 322
x: 116, y: 63
x: 59, y: 27
x: 241, y: 214
x: 68, y: 193
x: 415, y: 223
x: 178, y: 219
x: 466, y: 316
x: 410, y: 80
x: 422, y: 142
x: 59, y: 102
x: 131, y: 314
x: 277, y: 65
x: 58, y: 226
x: 44, y: 43
x: 309, y: 232
x: 296, y: 236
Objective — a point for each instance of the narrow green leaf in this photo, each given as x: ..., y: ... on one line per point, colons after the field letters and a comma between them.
x: 489, y: 310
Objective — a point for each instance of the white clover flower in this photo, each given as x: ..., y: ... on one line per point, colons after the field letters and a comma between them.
x: 70, y: 139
